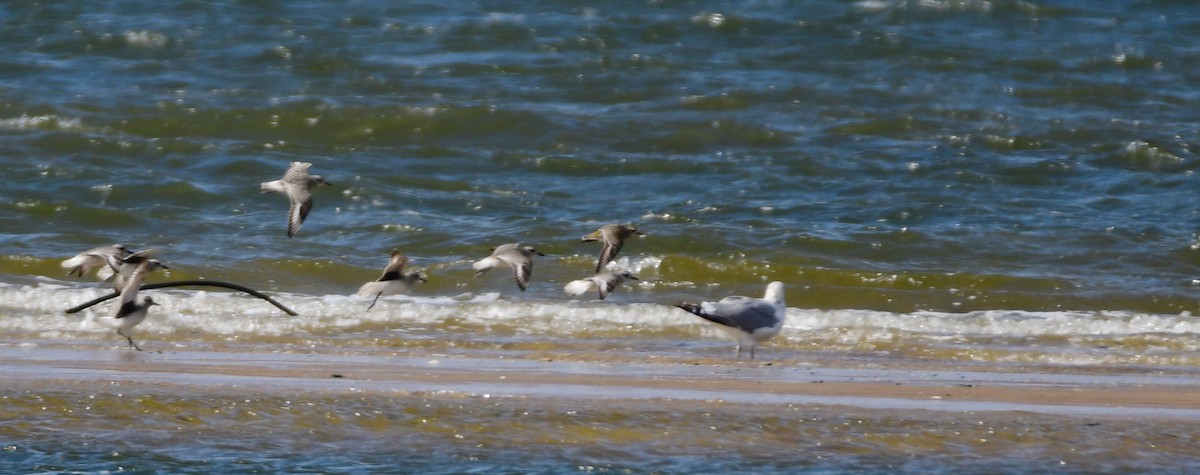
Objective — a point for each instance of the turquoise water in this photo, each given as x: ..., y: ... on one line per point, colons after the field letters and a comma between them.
x: 996, y: 182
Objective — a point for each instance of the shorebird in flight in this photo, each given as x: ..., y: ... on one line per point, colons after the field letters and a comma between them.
x: 393, y: 281
x: 515, y: 255
x: 603, y: 283
x: 297, y: 184
x: 613, y: 236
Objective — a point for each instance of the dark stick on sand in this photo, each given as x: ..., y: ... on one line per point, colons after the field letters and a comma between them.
x: 188, y: 283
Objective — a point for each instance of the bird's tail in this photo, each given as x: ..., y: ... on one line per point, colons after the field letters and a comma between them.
x: 577, y: 287
x: 75, y: 264
x: 697, y: 311
x: 368, y: 289
x: 483, y: 265
x: 105, y: 273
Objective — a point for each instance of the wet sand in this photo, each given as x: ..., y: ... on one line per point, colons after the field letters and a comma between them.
x: 1106, y: 393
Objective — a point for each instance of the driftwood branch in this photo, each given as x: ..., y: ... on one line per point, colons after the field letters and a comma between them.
x: 189, y: 283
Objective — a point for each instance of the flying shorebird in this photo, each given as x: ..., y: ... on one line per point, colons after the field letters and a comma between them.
x: 515, y: 255
x: 393, y: 281
x: 126, y: 311
x: 297, y: 184
x: 96, y: 258
x: 614, y: 236
x: 604, y: 283
x: 747, y: 320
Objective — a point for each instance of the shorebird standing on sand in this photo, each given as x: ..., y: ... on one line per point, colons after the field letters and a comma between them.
x: 747, y: 320
x: 126, y: 311
x: 297, y: 184
x: 515, y: 255
x: 393, y: 281
x: 614, y: 236
x: 100, y: 258
x: 604, y: 283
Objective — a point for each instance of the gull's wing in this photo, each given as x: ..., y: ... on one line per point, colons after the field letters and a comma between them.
x: 745, y: 313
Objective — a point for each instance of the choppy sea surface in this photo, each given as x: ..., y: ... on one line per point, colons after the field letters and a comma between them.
x: 994, y: 183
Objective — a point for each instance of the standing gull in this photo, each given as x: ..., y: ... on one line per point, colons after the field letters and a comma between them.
x: 747, y: 320
x: 126, y: 311
x: 297, y: 184
x: 604, y: 283
x: 614, y: 236
x: 515, y: 255
x: 98, y: 257
x: 393, y: 281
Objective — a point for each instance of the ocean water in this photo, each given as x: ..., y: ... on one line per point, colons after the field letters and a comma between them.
x: 992, y: 183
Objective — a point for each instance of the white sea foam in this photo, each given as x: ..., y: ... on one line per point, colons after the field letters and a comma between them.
x: 1000, y: 323
x: 42, y: 122
x: 36, y: 311
x: 146, y: 39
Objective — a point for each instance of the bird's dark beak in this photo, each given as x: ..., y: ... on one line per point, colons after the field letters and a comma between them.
x: 634, y: 278
x: 541, y: 254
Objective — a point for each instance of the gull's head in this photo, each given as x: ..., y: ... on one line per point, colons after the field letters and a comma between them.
x: 149, y: 301
x: 628, y: 275
x: 774, y: 292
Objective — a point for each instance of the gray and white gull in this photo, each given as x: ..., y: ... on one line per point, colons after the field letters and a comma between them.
x: 747, y: 320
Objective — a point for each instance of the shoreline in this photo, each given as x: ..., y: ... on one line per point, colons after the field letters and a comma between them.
x: 1110, y: 394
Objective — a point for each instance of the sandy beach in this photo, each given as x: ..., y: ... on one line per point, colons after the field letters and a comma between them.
x: 1090, y: 392
x: 255, y: 411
